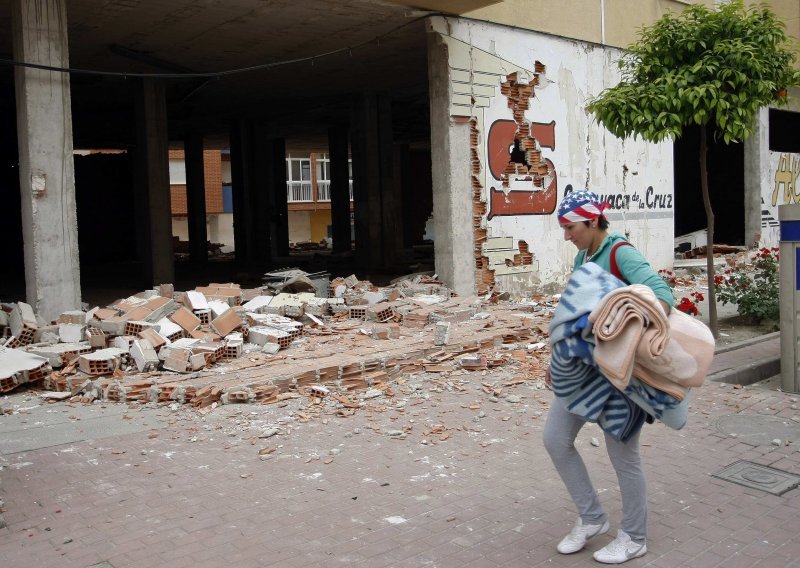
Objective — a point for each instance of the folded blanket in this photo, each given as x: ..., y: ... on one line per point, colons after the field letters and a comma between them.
x: 635, y: 338
x: 575, y: 377
x: 685, y: 360
x: 628, y: 323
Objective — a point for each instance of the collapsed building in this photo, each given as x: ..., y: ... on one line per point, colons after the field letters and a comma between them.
x: 224, y: 344
x: 468, y: 116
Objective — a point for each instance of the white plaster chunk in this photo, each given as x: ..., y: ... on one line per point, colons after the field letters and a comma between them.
x: 167, y: 327
x: 257, y: 303
x: 218, y: 308
x: 144, y: 355
x: 197, y: 300
x: 234, y: 338
x: 373, y: 298
x: 197, y: 361
x: 105, y: 354
x: 71, y: 332
x: 21, y: 314
x: 123, y: 342
x: 261, y: 335
x: 13, y: 361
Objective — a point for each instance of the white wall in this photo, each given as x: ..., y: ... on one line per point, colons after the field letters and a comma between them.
x: 637, y: 176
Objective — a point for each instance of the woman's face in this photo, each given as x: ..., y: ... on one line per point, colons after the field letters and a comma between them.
x: 579, y: 234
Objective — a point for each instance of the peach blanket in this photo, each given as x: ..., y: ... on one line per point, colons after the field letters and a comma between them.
x: 635, y: 338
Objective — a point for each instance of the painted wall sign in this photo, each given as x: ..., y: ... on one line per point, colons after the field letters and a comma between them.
x: 781, y: 189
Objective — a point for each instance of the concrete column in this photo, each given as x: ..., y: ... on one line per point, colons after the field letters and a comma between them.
x: 47, y: 174
x: 376, y: 208
x: 390, y: 212
x: 340, y: 190
x: 361, y: 155
x: 279, y: 222
x: 452, y: 191
x: 402, y: 166
x: 261, y: 210
x: 152, y: 182
x: 242, y: 181
x: 756, y: 177
x: 196, y: 198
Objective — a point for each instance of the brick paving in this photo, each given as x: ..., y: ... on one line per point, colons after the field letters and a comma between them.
x: 341, y: 491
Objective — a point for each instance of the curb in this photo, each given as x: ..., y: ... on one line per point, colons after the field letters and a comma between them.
x: 753, y: 372
x: 750, y: 373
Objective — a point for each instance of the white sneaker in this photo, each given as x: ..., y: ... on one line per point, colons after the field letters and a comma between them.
x: 620, y: 550
x: 580, y: 533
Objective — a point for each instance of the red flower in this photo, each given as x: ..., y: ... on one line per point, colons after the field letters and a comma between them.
x: 687, y: 306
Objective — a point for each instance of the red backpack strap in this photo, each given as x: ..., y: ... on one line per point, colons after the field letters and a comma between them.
x: 614, y: 268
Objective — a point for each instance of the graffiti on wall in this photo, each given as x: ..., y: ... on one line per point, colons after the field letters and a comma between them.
x: 786, y: 174
x: 529, y: 183
x: 528, y: 180
x: 651, y: 200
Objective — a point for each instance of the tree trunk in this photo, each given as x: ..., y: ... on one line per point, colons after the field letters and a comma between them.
x: 712, y: 289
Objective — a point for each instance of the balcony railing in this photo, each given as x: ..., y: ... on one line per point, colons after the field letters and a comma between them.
x: 299, y: 191
x: 324, y: 190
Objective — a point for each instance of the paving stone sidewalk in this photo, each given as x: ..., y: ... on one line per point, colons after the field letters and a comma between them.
x: 448, y: 477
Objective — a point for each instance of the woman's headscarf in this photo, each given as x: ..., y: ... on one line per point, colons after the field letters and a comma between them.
x: 580, y: 206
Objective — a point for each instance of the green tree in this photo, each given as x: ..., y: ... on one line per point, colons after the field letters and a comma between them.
x: 714, y: 68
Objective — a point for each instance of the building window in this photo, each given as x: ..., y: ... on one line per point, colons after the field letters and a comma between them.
x: 298, y: 184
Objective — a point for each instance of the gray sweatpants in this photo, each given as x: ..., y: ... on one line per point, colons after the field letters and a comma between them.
x: 559, y: 439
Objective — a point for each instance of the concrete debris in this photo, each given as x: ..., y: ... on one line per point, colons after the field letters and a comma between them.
x: 18, y: 367
x: 221, y: 344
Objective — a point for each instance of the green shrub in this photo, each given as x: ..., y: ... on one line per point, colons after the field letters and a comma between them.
x: 756, y: 297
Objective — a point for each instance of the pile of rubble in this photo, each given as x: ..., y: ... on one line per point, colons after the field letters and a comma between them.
x: 223, y: 344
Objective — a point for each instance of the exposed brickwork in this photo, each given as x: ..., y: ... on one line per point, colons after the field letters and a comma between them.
x: 484, y: 278
x: 519, y: 95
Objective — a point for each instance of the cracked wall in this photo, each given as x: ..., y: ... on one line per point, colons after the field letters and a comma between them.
x: 531, y: 141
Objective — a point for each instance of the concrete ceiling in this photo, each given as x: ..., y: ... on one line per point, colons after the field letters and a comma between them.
x: 332, y: 43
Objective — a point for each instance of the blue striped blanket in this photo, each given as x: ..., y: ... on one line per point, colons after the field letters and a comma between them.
x: 575, y: 376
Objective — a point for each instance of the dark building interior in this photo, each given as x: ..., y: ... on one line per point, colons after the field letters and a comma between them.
x: 287, y: 78
x: 725, y: 185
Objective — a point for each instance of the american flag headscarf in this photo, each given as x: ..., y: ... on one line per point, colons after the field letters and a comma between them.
x: 580, y: 206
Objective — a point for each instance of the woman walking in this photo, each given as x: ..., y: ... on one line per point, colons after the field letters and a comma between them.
x: 581, y: 217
